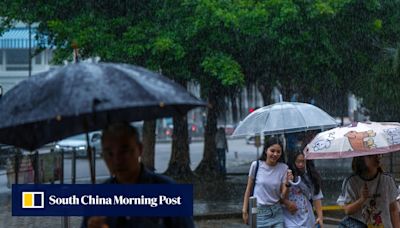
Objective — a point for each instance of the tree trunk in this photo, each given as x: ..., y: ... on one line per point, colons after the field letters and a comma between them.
x: 208, y: 166
x: 286, y: 93
x: 234, y: 109
x: 179, y: 164
x: 265, y: 94
x: 149, y: 142
x: 250, y: 98
x: 240, y: 106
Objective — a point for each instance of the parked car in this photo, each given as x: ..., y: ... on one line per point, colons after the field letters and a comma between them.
x: 79, y: 144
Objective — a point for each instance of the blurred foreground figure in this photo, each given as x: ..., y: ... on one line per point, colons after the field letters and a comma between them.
x: 121, y: 152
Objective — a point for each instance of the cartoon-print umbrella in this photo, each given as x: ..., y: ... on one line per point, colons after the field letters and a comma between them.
x: 357, y: 139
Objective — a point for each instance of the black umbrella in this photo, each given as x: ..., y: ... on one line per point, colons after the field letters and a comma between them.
x: 84, y: 97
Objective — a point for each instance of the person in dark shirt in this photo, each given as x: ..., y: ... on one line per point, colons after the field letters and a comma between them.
x: 122, y: 149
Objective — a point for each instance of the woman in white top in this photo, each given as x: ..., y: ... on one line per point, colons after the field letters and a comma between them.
x: 269, y: 185
x: 303, y: 195
x: 369, y: 195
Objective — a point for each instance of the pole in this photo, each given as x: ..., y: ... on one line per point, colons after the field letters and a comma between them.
x: 73, y: 168
x: 90, y: 157
x: 253, y: 212
x: 30, y: 50
x: 35, y: 162
x: 62, y: 167
x: 257, y: 143
x: 65, y: 219
x: 16, y: 166
x: 257, y: 153
x: 94, y: 162
x: 66, y: 222
x: 53, y: 156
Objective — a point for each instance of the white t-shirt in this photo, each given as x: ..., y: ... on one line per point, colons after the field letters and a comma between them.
x: 376, y: 210
x: 268, y: 181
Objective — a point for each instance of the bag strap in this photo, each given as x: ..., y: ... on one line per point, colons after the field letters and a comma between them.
x: 255, y: 176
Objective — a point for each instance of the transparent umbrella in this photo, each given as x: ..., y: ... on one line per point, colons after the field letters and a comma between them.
x: 284, y: 117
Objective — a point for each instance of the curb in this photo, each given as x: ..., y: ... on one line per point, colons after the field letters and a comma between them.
x: 234, y: 215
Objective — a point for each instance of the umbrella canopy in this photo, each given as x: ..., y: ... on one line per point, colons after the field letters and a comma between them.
x: 84, y: 97
x: 357, y: 139
x: 284, y: 117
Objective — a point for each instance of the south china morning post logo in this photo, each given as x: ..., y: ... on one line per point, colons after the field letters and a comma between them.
x: 116, y: 200
x: 32, y: 200
x: 102, y: 200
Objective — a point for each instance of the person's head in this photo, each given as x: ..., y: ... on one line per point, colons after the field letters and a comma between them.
x: 298, y: 163
x: 273, y: 151
x: 363, y: 164
x: 300, y: 166
x: 121, y: 148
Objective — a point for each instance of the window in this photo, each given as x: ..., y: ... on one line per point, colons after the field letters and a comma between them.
x: 17, y: 57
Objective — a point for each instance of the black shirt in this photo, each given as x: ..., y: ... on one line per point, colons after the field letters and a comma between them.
x: 146, y: 177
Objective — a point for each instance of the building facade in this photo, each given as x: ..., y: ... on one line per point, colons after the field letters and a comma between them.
x: 19, y: 57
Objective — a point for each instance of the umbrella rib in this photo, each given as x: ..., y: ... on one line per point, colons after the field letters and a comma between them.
x: 283, y: 117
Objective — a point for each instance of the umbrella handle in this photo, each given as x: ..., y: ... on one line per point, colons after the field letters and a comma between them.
x: 297, y: 182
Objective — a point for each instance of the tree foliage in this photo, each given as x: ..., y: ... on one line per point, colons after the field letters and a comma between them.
x: 317, y: 50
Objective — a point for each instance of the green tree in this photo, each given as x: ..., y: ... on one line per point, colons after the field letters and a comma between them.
x: 378, y: 89
x: 210, y: 44
x: 139, y: 32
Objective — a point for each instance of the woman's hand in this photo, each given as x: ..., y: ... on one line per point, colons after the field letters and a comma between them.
x: 291, y: 206
x: 289, y: 176
x: 245, y: 216
x: 319, y: 222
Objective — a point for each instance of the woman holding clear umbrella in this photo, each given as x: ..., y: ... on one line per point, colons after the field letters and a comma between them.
x: 268, y: 181
x: 369, y: 195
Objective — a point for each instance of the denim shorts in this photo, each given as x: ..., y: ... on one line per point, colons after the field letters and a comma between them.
x: 270, y: 216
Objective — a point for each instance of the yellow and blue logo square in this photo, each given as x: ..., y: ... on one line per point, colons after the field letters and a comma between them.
x: 32, y: 199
